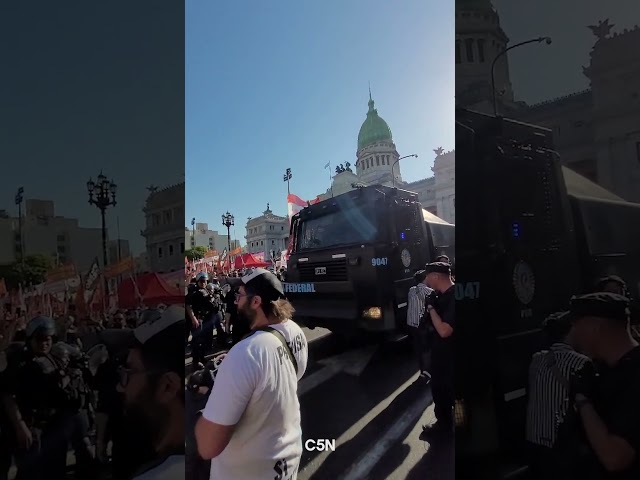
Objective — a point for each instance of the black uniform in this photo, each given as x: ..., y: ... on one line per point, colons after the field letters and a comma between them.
x: 442, y: 359
x: 204, y: 308
x: 49, y: 405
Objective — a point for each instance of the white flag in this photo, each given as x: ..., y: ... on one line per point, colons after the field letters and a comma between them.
x: 327, y: 165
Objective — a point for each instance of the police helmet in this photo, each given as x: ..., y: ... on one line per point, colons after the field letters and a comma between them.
x: 41, y: 325
x: 202, y: 276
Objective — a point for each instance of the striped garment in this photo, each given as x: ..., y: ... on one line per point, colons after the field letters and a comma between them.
x: 415, y: 307
x: 548, y: 395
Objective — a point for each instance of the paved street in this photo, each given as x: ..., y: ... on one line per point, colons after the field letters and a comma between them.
x: 366, y: 396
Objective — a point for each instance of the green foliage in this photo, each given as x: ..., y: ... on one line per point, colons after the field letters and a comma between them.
x: 195, y: 253
x: 32, y: 272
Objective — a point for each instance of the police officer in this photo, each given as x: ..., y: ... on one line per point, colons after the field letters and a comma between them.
x: 215, y: 291
x: 200, y: 308
x: 38, y: 408
x: 441, y: 312
x: 601, y: 438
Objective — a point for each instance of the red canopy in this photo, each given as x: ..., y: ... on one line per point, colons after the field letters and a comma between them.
x: 247, y: 260
x: 153, y: 289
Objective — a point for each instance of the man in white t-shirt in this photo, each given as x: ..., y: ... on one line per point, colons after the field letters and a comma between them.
x: 250, y: 427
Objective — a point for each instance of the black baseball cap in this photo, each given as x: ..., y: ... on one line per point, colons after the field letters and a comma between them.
x: 437, y: 267
x: 261, y: 282
x: 601, y: 304
x: 420, y: 275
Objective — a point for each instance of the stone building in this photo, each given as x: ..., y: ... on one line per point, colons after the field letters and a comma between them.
x: 595, y: 131
x: 266, y: 233
x: 164, y: 232
x: 377, y: 163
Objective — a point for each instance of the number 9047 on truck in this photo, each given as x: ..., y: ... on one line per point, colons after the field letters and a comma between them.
x: 353, y: 258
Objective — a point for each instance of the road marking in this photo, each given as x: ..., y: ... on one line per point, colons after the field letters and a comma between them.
x: 521, y: 392
x: 317, y: 378
x: 369, y: 460
x: 312, y: 467
x: 352, y: 362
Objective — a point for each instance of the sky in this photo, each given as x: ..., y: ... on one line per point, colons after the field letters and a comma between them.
x: 87, y: 86
x: 276, y: 85
x: 557, y: 67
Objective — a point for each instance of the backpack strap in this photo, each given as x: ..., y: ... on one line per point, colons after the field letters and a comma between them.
x: 279, y: 336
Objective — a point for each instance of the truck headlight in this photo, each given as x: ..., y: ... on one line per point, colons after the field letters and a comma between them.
x: 373, y: 313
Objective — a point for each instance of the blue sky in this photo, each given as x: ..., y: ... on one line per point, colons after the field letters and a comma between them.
x: 271, y: 85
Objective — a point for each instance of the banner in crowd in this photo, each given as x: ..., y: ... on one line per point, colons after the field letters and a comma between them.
x: 125, y: 265
x: 59, y: 274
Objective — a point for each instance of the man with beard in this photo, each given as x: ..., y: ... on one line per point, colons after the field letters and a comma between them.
x: 250, y: 427
x: 152, y: 384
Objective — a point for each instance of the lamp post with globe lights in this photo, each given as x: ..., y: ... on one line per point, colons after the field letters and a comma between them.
x: 228, y: 221
x: 287, y: 177
x: 102, y: 194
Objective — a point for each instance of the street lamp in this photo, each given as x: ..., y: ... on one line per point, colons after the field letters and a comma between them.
x: 227, y: 221
x: 394, y: 165
x: 287, y: 176
x: 102, y: 194
x: 193, y: 236
x: 19, y: 199
x: 547, y: 40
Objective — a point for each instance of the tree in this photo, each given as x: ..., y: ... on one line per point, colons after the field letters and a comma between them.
x: 33, y: 272
x: 195, y: 253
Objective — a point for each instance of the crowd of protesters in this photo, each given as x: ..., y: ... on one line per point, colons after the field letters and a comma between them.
x: 73, y: 405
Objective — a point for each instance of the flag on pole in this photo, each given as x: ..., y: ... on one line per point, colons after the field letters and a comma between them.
x: 327, y: 165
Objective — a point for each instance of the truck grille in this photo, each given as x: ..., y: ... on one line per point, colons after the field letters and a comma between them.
x: 335, y: 271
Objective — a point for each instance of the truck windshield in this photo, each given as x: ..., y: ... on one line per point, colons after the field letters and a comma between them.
x: 443, y: 235
x: 355, y: 224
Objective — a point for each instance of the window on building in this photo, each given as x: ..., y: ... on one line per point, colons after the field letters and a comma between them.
x: 468, y: 44
x: 481, y: 50
x: 377, y: 160
x: 261, y: 243
x: 61, y: 238
x: 282, y: 228
x: 155, y: 220
x: 61, y: 249
x: 181, y: 247
x: 170, y: 250
x: 166, y: 217
x: 458, y: 59
x: 366, y: 162
x: 159, y: 252
x: 273, y: 242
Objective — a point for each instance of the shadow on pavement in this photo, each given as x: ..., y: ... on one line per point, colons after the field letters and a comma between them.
x: 438, y: 463
x: 348, y: 453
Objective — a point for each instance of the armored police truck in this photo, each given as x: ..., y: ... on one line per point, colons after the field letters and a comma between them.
x: 531, y: 233
x: 353, y: 258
